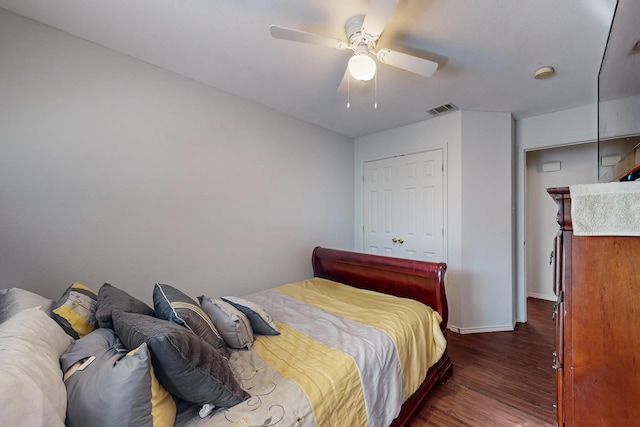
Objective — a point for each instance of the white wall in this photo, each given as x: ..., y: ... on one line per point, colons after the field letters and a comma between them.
x: 488, y: 214
x: 112, y: 170
x: 480, y: 297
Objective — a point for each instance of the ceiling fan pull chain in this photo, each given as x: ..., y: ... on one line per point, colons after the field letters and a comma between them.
x: 375, y: 92
x: 348, y: 91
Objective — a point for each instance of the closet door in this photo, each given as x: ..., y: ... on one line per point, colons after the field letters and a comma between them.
x: 403, y: 206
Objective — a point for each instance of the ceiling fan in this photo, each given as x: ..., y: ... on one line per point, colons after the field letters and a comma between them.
x: 363, y: 32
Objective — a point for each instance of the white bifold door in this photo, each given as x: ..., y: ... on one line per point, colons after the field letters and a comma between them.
x: 404, y: 205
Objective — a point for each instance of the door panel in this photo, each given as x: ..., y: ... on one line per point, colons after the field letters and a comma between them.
x: 403, y: 212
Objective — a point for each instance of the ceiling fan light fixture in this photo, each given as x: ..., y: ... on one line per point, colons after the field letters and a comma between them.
x: 362, y: 67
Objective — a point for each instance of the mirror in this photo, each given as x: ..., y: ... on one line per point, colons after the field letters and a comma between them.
x: 619, y: 97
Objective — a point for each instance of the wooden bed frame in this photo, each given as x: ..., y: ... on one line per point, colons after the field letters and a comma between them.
x: 419, y: 280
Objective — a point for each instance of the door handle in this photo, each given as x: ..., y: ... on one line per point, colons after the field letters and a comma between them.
x: 396, y: 240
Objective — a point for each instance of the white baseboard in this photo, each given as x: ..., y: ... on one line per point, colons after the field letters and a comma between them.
x: 480, y: 329
x: 498, y: 328
x: 547, y: 297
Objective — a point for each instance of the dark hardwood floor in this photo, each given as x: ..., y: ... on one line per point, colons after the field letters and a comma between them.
x: 499, y: 378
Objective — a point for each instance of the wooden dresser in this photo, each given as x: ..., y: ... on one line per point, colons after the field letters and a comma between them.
x: 597, y: 357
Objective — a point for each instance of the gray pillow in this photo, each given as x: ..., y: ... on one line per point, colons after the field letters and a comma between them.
x: 261, y: 321
x: 232, y: 324
x: 117, y: 388
x: 173, y: 305
x: 184, y: 363
x: 31, y: 389
x: 112, y: 299
x: 14, y: 300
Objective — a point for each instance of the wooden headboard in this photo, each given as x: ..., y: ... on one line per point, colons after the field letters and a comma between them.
x: 420, y: 280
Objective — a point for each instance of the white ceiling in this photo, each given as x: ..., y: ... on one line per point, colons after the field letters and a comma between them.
x: 487, y: 51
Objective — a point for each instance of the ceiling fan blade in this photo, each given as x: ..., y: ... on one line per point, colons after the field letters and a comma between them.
x: 416, y: 65
x: 342, y: 88
x: 304, y: 37
x: 377, y: 17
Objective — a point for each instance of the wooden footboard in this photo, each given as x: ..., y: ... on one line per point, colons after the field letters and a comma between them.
x: 419, y: 280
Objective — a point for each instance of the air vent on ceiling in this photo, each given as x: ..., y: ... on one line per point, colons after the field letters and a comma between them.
x: 446, y: 108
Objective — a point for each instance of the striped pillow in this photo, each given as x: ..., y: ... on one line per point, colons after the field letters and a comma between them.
x: 75, y: 311
x: 173, y: 305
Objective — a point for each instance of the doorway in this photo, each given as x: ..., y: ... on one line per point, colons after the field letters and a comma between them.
x: 551, y: 167
x: 578, y: 164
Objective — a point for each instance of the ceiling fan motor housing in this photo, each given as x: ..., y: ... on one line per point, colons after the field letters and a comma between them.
x: 355, y: 34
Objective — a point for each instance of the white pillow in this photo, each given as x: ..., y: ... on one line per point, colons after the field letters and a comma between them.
x: 31, y: 388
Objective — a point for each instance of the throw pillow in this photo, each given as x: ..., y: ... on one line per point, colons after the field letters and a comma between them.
x: 32, y: 392
x: 14, y: 300
x: 173, y: 305
x: 107, y: 385
x: 185, y: 364
x: 112, y: 299
x: 232, y: 324
x: 261, y: 321
x: 75, y: 311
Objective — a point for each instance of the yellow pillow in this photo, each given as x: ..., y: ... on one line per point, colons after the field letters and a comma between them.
x: 75, y: 311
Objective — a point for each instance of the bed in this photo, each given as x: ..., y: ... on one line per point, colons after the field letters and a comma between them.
x: 421, y: 281
x: 332, y: 269
x: 361, y: 343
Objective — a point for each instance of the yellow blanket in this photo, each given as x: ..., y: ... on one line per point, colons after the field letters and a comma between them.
x: 326, y: 375
x: 344, y: 356
x: 413, y: 327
